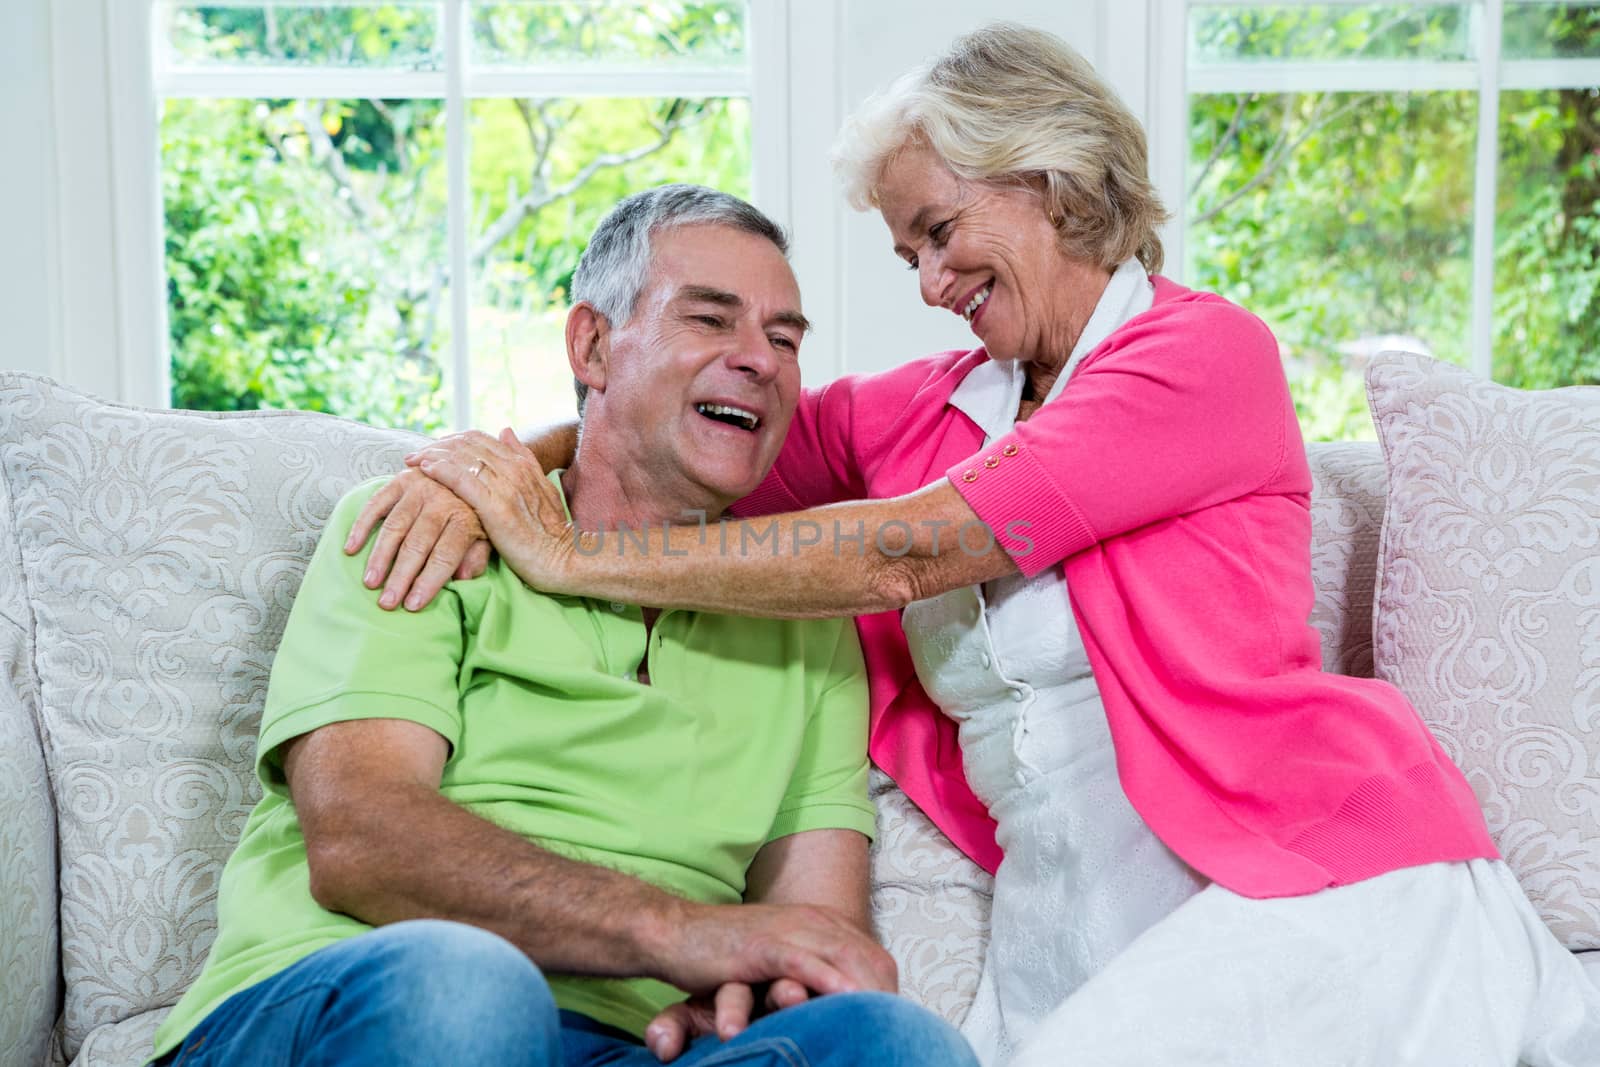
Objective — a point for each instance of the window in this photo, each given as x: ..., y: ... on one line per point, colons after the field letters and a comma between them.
x: 332, y: 172
x: 1404, y: 175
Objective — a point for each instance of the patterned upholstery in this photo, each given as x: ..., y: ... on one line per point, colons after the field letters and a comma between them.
x: 1489, y: 609
x: 147, y: 564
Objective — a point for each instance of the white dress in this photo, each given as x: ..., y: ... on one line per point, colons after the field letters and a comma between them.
x: 1445, y: 964
x: 1082, y: 875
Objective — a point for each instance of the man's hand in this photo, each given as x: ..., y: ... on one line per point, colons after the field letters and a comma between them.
x: 709, y: 946
x: 429, y: 536
x: 725, y: 1014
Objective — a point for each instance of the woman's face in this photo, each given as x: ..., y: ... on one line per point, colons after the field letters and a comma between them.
x: 987, y: 253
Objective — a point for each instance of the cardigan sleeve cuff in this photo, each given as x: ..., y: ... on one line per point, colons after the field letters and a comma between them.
x: 1009, y: 489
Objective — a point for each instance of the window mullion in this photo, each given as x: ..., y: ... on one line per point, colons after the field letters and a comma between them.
x: 457, y: 147
x: 1485, y: 176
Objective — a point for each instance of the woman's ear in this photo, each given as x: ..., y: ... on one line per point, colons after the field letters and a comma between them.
x: 588, y: 344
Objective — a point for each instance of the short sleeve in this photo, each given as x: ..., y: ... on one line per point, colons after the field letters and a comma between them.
x: 828, y: 789
x: 343, y: 658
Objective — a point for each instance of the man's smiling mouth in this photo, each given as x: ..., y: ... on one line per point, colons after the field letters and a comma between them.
x: 736, y: 417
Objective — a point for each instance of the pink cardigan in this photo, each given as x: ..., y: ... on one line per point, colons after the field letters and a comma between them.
x: 1170, y: 482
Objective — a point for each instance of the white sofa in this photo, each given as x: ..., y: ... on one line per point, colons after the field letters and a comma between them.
x: 147, y: 564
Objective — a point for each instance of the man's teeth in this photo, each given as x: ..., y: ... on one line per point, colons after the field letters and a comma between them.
x: 725, y: 413
x: 977, y: 302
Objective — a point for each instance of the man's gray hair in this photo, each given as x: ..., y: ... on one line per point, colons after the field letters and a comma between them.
x: 614, y: 269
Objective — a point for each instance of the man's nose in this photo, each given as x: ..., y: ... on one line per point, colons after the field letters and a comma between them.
x: 753, y: 354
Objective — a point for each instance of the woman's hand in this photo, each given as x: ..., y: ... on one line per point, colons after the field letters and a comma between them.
x: 518, y: 507
x: 428, y: 536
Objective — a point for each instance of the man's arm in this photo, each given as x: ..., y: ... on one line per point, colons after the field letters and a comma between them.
x: 385, y: 845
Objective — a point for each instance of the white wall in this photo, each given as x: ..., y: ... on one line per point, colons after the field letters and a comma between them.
x: 27, y: 320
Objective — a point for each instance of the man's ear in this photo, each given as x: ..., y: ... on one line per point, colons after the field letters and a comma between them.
x: 588, y: 344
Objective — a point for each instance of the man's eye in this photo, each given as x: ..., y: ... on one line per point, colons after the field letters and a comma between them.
x: 783, y: 342
x: 709, y: 320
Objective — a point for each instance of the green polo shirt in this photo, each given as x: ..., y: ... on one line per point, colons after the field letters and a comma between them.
x: 750, y: 729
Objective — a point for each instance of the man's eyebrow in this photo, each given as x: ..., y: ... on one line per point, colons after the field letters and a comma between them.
x: 707, y: 294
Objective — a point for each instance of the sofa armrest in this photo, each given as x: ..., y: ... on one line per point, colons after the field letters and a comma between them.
x: 30, y: 959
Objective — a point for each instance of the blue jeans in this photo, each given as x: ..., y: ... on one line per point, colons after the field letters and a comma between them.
x: 445, y: 994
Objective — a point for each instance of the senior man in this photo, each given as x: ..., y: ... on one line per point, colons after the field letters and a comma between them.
x: 517, y: 828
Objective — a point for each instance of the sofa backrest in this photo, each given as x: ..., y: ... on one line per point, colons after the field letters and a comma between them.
x: 156, y: 555
x: 148, y: 560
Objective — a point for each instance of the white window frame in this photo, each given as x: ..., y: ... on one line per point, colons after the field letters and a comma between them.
x: 137, y: 88
x: 1172, y: 81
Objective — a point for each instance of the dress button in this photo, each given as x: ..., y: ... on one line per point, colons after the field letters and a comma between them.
x: 618, y: 606
x: 992, y: 462
x: 985, y: 660
x: 970, y: 476
x: 1009, y: 450
x: 1016, y: 695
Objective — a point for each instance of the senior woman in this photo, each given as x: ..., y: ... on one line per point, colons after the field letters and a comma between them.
x: 1213, y: 851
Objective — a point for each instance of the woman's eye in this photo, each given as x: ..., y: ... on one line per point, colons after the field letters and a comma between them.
x: 939, y: 232
x: 911, y: 263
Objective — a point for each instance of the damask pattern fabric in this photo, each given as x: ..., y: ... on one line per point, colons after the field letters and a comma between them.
x: 1488, y: 609
x: 160, y: 553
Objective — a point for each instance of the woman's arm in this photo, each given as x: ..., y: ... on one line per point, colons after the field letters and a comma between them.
x: 842, y: 559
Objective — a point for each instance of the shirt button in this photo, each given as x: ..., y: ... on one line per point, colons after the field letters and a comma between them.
x: 1022, y: 779
x: 985, y: 660
x: 618, y: 606
x: 1017, y: 695
x: 630, y: 676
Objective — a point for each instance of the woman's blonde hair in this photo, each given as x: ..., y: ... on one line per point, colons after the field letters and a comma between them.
x: 1012, y: 105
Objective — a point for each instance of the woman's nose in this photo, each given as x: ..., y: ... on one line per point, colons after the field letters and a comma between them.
x: 933, y: 279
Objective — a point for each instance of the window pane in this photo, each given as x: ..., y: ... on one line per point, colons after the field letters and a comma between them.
x: 535, y: 201
x: 1344, y: 221
x: 1231, y: 34
x: 1547, y: 239
x: 597, y: 32
x: 1550, y: 31
x: 403, y: 35
x: 305, y: 244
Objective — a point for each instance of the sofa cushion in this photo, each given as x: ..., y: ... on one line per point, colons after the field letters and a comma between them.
x: 1488, y: 608
x: 1347, y: 502
x: 160, y: 553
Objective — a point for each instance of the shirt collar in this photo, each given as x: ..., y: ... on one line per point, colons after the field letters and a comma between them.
x: 991, y: 393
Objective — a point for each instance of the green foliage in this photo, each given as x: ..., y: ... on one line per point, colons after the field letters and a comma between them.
x: 1345, y: 219
x: 306, y: 239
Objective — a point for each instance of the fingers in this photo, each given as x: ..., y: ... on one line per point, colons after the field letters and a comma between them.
x: 444, y: 563
x: 476, y: 560
x: 670, y: 1032
x: 786, y: 993
x: 415, y: 550
x: 734, y: 1003
x: 396, y: 525
x: 376, y: 507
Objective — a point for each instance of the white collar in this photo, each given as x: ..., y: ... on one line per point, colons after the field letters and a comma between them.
x: 990, y: 394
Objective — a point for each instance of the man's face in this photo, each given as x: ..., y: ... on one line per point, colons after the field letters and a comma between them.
x: 702, y: 381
